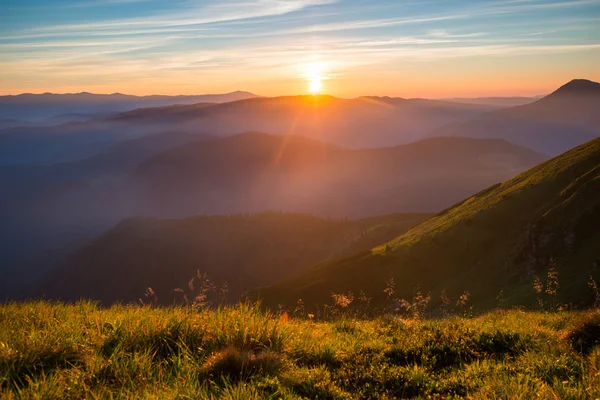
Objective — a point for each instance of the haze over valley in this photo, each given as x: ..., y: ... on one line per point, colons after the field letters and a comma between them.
x: 299, y: 199
x: 82, y: 178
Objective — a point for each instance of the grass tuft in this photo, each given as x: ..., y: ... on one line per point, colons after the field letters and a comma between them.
x: 585, y: 334
x: 239, y: 365
x: 20, y: 366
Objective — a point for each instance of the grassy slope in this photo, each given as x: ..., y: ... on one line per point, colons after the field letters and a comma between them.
x: 492, y: 241
x: 80, y: 351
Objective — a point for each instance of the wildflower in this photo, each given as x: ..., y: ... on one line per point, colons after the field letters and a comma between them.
x: 342, y: 300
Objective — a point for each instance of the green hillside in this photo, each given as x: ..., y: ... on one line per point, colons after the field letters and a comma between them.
x: 497, y: 240
x: 245, y: 251
x: 241, y: 353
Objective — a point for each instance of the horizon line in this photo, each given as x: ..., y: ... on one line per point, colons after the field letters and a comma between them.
x: 458, y: 96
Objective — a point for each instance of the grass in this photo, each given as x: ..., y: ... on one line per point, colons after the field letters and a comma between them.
x: 51, y: 350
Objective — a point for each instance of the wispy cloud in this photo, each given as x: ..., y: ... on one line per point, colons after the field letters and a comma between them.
x: 104, y: 3
x: 198, y: 15
x: 261, y: 40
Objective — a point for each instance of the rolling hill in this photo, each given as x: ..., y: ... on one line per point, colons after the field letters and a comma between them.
x: 38, y: 231
x: 245, y: 251
x: 500, y: 102
x: 79, y: 126
x: 37, y: 107
x: 551, y: 125
x: 496, y: 240
x: 356, y: 123
x: 47, y: 211
x: 255, y: 172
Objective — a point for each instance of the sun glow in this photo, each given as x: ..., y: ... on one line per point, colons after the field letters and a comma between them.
x: 315, y: 79
x: 315, y: 85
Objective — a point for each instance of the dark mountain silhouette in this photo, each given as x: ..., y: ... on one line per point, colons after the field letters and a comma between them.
x: 496, y: 240
x: 574, y: 103
x: 245, y: 251
x: 578, y: 88
x: 31, y: 107
x: 556, y: 123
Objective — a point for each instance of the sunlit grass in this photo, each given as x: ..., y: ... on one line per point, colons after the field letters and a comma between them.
x: 77, y: 351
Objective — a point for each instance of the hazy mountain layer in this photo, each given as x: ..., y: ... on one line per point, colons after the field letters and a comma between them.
x: 356, y: 123
x: 499, y: 102
x: 496, y: 240
x: 551, y: 125
x: 554, y: 124
x: 255, y: 172
x: 37, y: 107
x: 49, y: 210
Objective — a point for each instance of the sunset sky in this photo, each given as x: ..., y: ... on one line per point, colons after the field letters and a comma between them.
x: 406, y: 48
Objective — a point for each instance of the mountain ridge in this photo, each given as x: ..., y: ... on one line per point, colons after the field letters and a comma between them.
x: 84, y: 93
x: 560, y: 121
x: 302, y: 172
x: 49, y: 209
x: 578, y: 86
x: 35, y: 107
x: 496, y: 240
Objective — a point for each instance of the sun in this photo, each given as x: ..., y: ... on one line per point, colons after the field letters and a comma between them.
x: 315, y: 85
x: 315, y: 78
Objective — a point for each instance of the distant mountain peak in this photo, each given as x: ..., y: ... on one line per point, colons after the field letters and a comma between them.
x: 243, y: 92
x: 579, y: 87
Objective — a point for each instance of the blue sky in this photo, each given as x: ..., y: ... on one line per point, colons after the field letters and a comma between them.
x: 404, y: 48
